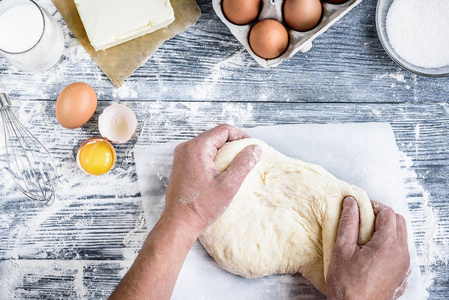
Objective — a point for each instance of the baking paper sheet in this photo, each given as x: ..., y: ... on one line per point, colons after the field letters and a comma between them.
x: 362, y: 154
x: 121, y: 61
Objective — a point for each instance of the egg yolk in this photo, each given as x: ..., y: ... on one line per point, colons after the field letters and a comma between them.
x: 97, y: 158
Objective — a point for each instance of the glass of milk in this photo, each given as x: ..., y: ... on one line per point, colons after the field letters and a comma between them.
x: 29, y: 36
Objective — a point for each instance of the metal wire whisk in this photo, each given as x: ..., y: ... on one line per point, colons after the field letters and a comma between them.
x: 30, y: 164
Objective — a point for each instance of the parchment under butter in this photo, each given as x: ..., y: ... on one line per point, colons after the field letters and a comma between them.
x: 121, y: 61
x: 112, y: 22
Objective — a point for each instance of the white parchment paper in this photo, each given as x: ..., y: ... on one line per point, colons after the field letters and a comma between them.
x: 364, y: 154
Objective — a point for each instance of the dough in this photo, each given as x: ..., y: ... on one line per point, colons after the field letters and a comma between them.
x: 284, y: 218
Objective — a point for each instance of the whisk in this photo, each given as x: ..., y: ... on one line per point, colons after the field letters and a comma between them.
x: 30, y: 164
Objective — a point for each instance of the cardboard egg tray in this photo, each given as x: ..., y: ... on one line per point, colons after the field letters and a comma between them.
x: 299, y: 41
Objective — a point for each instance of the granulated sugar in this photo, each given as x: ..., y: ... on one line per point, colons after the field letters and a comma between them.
x: 418, y: 31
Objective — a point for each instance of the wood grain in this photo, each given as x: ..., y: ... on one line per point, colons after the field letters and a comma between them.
x: 346, y: 64
x: 97, y: 226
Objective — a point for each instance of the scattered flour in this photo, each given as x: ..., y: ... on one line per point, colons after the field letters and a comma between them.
x: 9, y: 273
x: 139, y: 233
x: 398, y: 76
x: 79, y: 279
x: 126, y: 91
x: 72, y: 273
x: 220, y: 71
x: 417, y: 131
x: 75, y: 51
x: 27, y: 224
x: 425, y: 222
x: 189, y: 196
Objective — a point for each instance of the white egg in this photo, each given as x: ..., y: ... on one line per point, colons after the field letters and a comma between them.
x: 117, y: 123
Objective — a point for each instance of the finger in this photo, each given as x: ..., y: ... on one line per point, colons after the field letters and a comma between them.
x: 385, y: 219
x: 348, y: 228
x: 378, y: 206
x: 221, y: 134
x: 242, y: 164
x: 401, y: 227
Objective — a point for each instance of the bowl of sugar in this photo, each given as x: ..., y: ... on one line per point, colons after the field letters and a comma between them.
x: 415, y: 34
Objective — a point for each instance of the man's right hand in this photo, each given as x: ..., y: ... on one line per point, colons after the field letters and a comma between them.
x: 197, y: 192
x: 376, y: 270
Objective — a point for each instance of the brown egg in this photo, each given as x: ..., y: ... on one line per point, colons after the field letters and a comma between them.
x: 75, y: 105
x: 241, y: 12
x: 268, y: 39
x: 302, y: 15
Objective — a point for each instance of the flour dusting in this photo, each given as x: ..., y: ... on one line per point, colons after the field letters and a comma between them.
x: 425, y: 222
x: 399, y: 77
x: 417, y: 131
x: 35, y: 235
x: 126, y: 91
x: 75, y: 51
x: 189, y: 196
x: 221, y: 70
x: 139, y: 232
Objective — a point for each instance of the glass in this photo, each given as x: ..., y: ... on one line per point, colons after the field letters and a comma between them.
x: 381, y: 19
x: 30, y: 38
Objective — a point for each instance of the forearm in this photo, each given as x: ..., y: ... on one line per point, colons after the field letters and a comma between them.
x: 156, y: 268
x: 197, y: 195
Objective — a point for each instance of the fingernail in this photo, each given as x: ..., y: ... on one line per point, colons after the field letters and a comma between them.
x: 374, y: 204
x: 257, y: 151
x: 348, y: 201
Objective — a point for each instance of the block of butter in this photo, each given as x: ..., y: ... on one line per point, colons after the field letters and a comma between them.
x: 112, y: 22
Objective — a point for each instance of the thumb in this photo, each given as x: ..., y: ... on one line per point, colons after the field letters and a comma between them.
x: 237, y: 171
x: 348, y: 229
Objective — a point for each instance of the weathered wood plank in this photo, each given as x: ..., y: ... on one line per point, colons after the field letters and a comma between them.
x: 50, y: 279
x: 346, y: 64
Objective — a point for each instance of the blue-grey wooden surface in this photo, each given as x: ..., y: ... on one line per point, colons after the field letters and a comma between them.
x: 81, y: 246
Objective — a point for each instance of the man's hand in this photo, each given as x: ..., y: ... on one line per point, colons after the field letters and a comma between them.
x: 375, y: 271
x: 197, y: 192
x: 197, y: 195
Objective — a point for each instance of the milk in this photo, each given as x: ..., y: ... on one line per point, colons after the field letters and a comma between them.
x: 29, y: 36
x: 21, y: 28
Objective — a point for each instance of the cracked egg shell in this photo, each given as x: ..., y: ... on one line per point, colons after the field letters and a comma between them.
x: 117, y: 123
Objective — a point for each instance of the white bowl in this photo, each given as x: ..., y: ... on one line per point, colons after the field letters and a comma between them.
x: 381, y: 16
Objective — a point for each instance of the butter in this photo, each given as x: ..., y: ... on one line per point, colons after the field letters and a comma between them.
x: 111, y: 22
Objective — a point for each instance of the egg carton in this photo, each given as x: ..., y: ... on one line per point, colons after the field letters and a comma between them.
x: 299, y: 41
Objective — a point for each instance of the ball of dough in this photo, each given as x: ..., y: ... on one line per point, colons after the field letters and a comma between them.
x: 284, y: 218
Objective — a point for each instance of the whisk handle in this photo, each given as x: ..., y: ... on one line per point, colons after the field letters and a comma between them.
x: 4, y: 100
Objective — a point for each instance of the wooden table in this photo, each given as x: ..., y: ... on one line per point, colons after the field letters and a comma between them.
x: 82, y: 245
